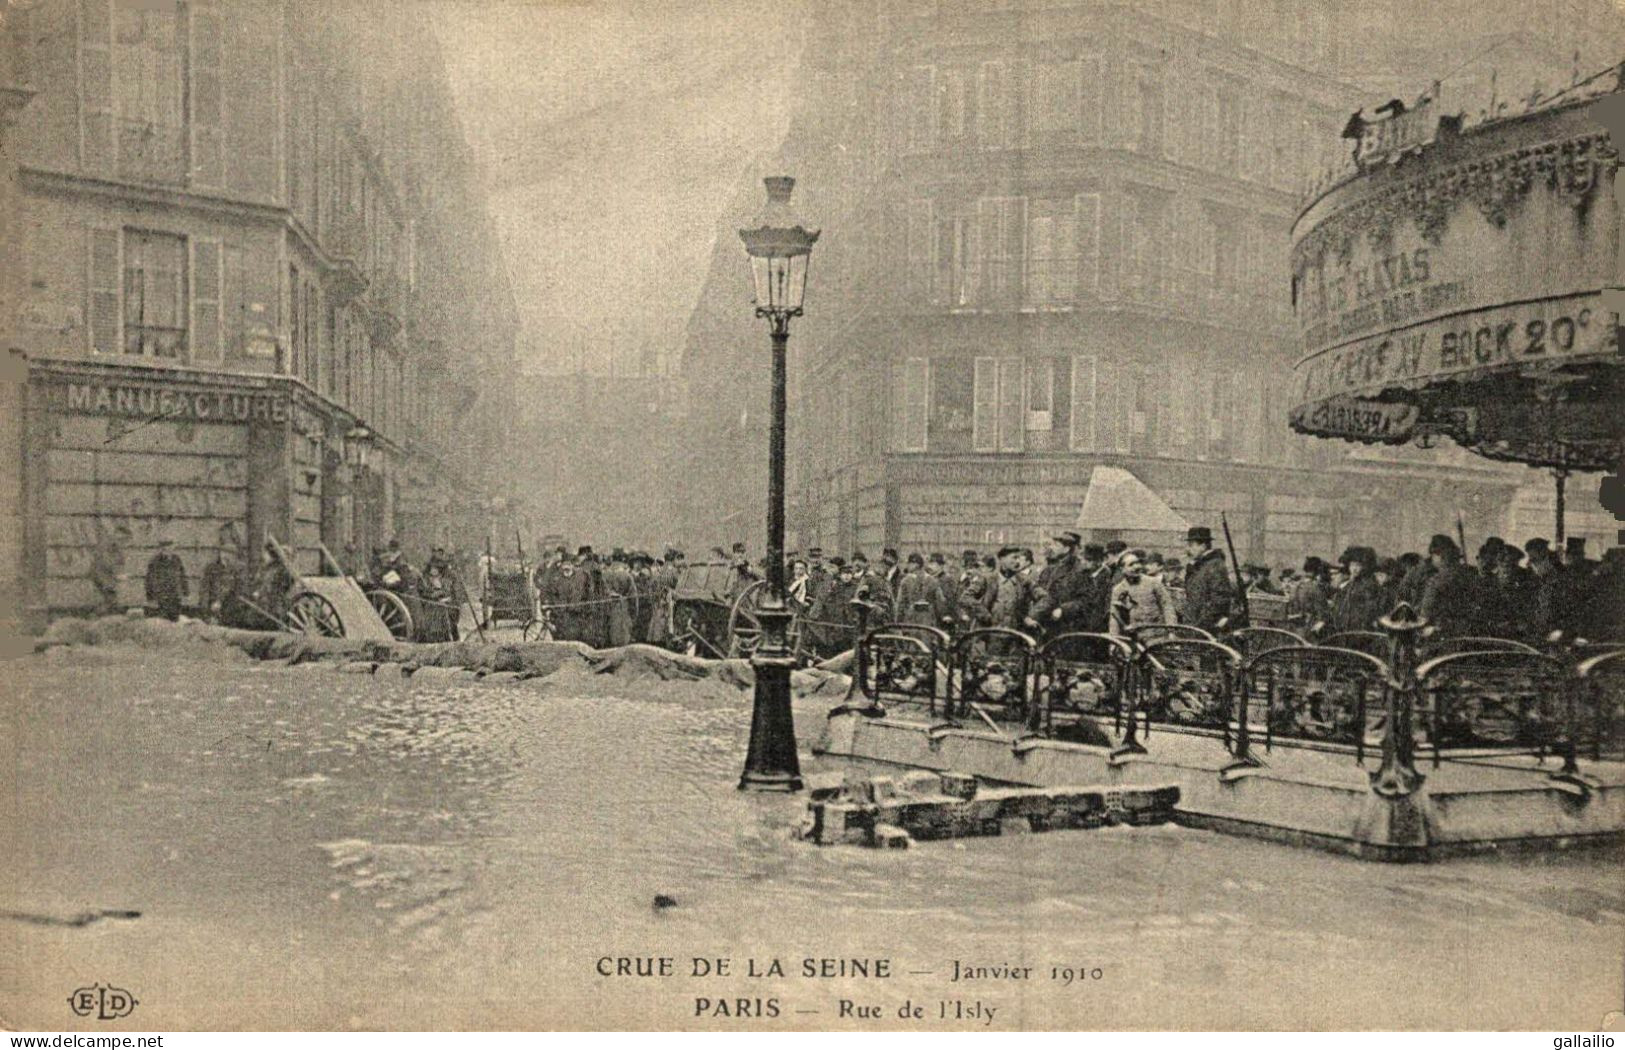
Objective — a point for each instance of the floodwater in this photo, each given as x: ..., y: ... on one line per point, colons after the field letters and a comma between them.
x: 311, y: 849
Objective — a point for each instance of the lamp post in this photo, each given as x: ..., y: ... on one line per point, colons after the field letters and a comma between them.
x: 779, y: 250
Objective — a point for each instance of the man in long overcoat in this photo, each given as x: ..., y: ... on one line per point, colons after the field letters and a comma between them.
x: 166, y: 581
x: 1210, y: 593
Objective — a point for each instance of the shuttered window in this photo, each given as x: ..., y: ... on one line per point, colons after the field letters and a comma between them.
x: 910, y: 404
x: 1087, y: 209
x: 1091, y: 99
x: 999, y: 422
x: 920, y: 109
x: 1082, y: 436
x: 921, y: 261
x: 207, y: 98
x: 106, y: 273
x: 149, y: 90
x: 207, y: 281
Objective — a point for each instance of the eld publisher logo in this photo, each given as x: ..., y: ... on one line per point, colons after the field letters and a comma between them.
x: 102, y: 1001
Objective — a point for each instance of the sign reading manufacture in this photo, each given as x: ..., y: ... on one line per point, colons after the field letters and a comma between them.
x: 169, y: 401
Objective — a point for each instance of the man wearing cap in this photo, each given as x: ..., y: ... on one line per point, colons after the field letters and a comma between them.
x: 1014, y: 595
x: 1210, y: 593
x: 868, y: 585
x: 936, y: 566
x: 1309, y: 608
x: 919, y: 595
x: 166, y: 581
x: 1360, y: 603
x: 1450, y: 601
x: 1138, y: 598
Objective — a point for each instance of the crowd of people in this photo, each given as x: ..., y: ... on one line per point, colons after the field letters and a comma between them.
x: 1523, y: 593
x: 1530, y: 593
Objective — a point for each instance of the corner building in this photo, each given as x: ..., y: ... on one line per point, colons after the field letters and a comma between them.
x: 1054, y: 234
x: 260, y: 295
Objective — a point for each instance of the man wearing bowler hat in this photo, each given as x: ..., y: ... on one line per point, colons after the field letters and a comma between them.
x: 1210, y: 593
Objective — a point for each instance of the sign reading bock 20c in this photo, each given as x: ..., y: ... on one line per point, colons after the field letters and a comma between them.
x: 194, y: 403
x: 1466, y: 260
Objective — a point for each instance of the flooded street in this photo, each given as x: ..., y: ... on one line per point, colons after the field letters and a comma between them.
x: 314, y: 849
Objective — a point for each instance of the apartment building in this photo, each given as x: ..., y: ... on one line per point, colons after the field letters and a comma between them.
x: 260, y: 293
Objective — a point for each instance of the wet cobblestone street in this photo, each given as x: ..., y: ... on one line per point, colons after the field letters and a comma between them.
x: 311, y: 849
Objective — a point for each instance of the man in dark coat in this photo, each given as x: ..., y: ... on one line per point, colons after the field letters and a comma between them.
x: 223, y: 583
x: 936, y: 566
x: 1066, y: 587
x: 1210, y: 593
x: 1308, y: 610
x: 1452, y: 597
x: 1361, y: 601
x: 166, y: 581
x: 920, y: 599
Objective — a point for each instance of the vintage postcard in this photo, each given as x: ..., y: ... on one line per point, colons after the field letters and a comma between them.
x: 812, y: 515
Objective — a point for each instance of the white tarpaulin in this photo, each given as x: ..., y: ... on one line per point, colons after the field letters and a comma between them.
x: 1117, y: 501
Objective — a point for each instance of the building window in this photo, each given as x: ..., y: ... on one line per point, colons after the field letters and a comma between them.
x: 951, y: 105
x: 995, y: 106
x: 920, y: 108
x: 154, y: 294
x: 998, y: 421
x: 1091, y: 101
x: 1040, y: 408
x: 1084, y: 413
x: 1141, y: 221
x: 1145, y: 89
x: 911, y: 400
x: 1052, y: 247
x: 921, y: 256
x: 148, y: 92
x: 1002, y: 228
x: 1190, y: 256
x: 1055, y: 112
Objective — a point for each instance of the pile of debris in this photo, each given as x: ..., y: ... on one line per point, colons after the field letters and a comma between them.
x: 890, y: 813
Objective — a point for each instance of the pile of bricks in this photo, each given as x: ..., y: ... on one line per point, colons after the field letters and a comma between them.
x: 891, y: 813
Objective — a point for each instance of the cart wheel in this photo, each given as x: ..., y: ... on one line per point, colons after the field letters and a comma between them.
x: 310, y: 613
x: 393, y: 611
x: 744, y: 630
x: 532, y: 630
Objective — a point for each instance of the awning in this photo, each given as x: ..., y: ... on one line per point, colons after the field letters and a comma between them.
x: 1117, y: 501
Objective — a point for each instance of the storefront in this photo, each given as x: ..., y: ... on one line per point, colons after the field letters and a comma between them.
x: 131, y: 455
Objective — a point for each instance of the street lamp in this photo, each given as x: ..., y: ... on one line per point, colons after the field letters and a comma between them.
x: 779, y: 250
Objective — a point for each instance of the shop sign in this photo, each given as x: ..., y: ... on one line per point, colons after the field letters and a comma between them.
x: 1526, y: 334
x: 1362, y: 420
x: 169, y: 401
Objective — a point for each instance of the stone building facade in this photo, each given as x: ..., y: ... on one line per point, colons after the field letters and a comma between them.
x: 1054, y: 238
x: 260, y: 294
